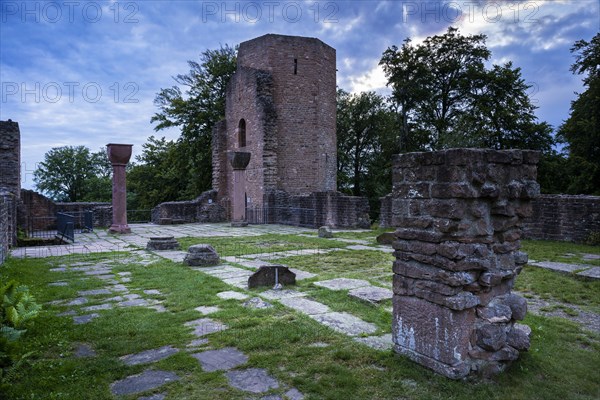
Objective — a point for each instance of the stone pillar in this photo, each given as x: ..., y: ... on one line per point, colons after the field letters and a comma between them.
x: 457, y: 256
x: 10, y: 157
x: 119, y: 155
x: 239, y: 161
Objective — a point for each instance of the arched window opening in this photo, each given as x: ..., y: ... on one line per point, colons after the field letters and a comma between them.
x: 242, y: 133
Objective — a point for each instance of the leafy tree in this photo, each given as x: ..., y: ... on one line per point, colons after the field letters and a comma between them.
x: 73, y: 173
x: 581, y: 131
x: 154, y: 179
x: 367, y: 138
x: 445, y: 97
x: 195, y: 110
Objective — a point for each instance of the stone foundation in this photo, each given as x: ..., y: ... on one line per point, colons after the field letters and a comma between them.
x: 202, y: 209
x: 457, y: 256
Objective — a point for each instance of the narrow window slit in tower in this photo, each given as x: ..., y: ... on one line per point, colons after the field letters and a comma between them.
x: 295, y: 66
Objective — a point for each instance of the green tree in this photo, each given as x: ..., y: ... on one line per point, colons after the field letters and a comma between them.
x: 581, y: 131
x: 73, y: 173
x: 195, y: 109
x: 366, y: 140
x: 446, y: 97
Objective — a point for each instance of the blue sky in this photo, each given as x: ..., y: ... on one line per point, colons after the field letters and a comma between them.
x: 87, y: 72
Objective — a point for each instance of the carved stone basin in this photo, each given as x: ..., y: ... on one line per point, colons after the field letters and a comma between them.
x: 239, y: 159
x: 119, y: 154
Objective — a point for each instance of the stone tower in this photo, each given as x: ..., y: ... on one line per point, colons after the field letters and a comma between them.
x: 280, y: 108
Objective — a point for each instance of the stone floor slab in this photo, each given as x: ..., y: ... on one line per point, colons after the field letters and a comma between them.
x: 205, y: 326
x: 559, y: 267
x: 300, y: 275
x: 256, y: 302
x: 374, y: 248
x: 61, y: 283
x: 77, y: 302
x: 105, y: 306
x: 205, y: 310
x: 84, y: 319
x: 342, y: 283
x: 371, y: 294
x: 345, y: 323
x: 152, y: 292
x: 158, y: 396
x: 294, y: 394
x: 230, y: 294
x: 149, y: 356
x: 383, y: 342
x: 254, y: 380
x: 593, y: 273
x: 147, y: 380
x: 134, y: 303
x: 93, y: 292
x: 305, y: 306
x: 281, y: 294
x: 221, y: 360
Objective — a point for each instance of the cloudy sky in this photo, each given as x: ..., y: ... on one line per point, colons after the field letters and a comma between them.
x: 87, y: 72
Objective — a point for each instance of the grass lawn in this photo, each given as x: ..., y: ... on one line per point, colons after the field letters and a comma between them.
x: 561, y: 364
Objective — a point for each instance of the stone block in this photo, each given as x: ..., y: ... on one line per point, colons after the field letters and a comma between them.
x: 386, y: 238
x: 201, y: 255
x: 162, y: 243
x: 432, y: 330
x: 268, y: 274
x: 325, y: 232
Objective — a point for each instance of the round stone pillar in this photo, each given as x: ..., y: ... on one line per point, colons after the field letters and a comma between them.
x: 119, y: 155
x: 239, y: 161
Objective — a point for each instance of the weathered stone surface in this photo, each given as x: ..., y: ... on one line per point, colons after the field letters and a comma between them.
x: 205, y: 310
x: 371, y: 294
x: 205, y: 326
x: 93, y: 292
x: 84, y: 350
x: 491, y: 337
x: 256, y: 302
x: 221, y: 360
x: 149, y: 356
x: 325, y: 232
x: 431, y: 330
x: 345, y: 323
x: 383, y: 342
x: 386, y: 238
x: 342, y: 283
x: 202, y: 255
x: 84, y: 319
x: 519, y: 337
x: 517, y: 304
x: 163, y: 243
x: 495, y: 312
x: 268, y: 274
x: 252, y: 380
x: 305, y: 306
x: 147, y: 380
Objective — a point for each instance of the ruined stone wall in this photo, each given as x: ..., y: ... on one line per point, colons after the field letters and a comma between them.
x: 8, y: 222
x: 38, y: 213
x: 457, y: 257
x: 10, y: 157
x: 564, y: 218
x: 202, y: 209
x: 317, y: 209
x: 557, y: 217
x: 303, y: 72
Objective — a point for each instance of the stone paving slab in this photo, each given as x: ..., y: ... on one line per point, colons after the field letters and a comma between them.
x: 240, y: 283
x: 158, y: 396
x: 221, y: 360
x: 205, y: 326
x: 84, y: 319
x: 230, y: 294
x: 84, y: 350
x: 342, y: 283
x: 254, y: 380
x: 145, y: 381
x: 105, y: 306
x: 593, y: 273
x: 61, y: 283
x: 256, y: 302
x: 77, y: 301
x: 205, y: 310
x: 300, y: 275
x: 93, y: 292
x: 149, y: 356
x: 294, y: 394
x: 371, y: 294
x: 590, y: 257
x: 384, y: 249
x: 281, y: 294
x: 345, y: 323
x: 383, y: 342
x: 305, y: 306
x: 560, y: 267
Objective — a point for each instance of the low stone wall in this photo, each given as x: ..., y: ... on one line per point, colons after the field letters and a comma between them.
x: 317, y: 209
x: 457, y: 257
x: 202, y: 209
x: 563, y: 217
x: 8, y: 222
x: 38, y: 213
